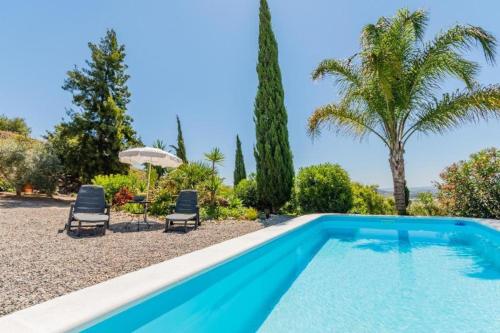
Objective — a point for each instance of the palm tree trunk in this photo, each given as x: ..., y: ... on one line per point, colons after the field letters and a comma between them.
x: 397, y: 163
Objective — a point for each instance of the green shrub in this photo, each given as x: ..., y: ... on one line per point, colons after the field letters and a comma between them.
x: 16, y: 125
x: 246, y: 190
x: 425, y: 205
x: 192, y: 175
x: 250, y: 214
x: 323, y: 188
x: 113, y: 183
x: 162, y: 201
x: 5, y: 185
x: 366, y: 200
x: 472, y: 188
x: 45, y: 171
x: 133, y: 208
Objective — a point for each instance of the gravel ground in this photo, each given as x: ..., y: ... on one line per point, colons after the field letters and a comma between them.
x: 38, y: 263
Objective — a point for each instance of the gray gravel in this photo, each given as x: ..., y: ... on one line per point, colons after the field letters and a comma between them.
x: 37, y: 263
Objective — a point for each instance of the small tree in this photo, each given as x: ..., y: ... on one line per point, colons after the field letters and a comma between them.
x: 391, y: 88
x: 215, y: 157
x: 180, y: 149
x: 89, y: 142
x: 272, y: 150
x: 46, y: 170
x: 239, y: 164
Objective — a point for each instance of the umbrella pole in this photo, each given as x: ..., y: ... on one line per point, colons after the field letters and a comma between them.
x: 149, y: 177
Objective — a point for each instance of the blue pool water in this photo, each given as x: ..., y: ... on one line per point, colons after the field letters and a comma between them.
x: 339, y: 274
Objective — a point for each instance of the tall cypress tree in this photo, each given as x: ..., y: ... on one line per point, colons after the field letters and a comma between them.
x: 272, y: 150
x: 99, y: 128
x: 180, y: 149
x: 239, y: 164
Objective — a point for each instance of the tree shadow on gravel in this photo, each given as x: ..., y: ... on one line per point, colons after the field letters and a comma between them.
x: 132, y: 226
x: 8, y: 201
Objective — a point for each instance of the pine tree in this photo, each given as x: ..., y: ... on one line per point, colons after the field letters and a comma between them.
x: 272, y: 151
x: 239, y: 164
x: 99, y: 128
x: 180, y: 149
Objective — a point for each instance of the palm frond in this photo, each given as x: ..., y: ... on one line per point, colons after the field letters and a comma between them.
x: 341, y: 119
x: 457, y: 108
x: 342, y: 70
x: 463, y: 38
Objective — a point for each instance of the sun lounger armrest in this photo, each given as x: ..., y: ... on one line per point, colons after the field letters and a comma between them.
x: 70, y: 217
x: 171, y: 208
x: 71, y: 209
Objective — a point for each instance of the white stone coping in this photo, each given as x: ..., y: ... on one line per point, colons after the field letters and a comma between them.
x: 79, y: 308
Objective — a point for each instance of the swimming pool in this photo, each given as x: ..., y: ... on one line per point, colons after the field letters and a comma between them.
x: 338, y: 273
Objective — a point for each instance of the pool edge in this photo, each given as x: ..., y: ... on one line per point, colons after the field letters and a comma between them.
x: 78, y: 308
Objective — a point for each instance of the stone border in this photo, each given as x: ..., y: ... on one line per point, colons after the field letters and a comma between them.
x: 76, y: 310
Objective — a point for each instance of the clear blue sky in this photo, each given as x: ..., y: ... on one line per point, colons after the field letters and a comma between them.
x: 197, y: 59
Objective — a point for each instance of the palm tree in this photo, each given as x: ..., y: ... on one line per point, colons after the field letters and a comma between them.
x: 391, y: 87
x: 215, y: 157
x: 160, y: 171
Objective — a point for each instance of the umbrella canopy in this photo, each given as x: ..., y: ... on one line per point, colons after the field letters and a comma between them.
x: 149, y: 155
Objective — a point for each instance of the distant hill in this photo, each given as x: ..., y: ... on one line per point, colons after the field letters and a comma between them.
x: 414, y: 191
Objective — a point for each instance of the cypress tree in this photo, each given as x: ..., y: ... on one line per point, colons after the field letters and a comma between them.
x: 272, y: 150
x: 180, y: 149
x: 239, y: 164
x: 99, y: 128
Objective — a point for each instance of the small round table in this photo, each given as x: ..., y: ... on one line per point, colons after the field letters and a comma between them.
x: 144, y: 204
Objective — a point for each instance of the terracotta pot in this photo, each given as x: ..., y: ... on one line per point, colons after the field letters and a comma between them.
x: 28, y: 188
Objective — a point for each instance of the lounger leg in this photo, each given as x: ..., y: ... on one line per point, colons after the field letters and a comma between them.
x: 167, y: 224
x: 79, y: 228
x: 185, y: 226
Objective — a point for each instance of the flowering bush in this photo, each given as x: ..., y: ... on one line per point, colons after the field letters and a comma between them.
x: 122, y: 197
x: 114, y: 183
x: 472, y: 188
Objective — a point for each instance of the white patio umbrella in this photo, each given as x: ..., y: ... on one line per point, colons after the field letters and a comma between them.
x: 150, y: 156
